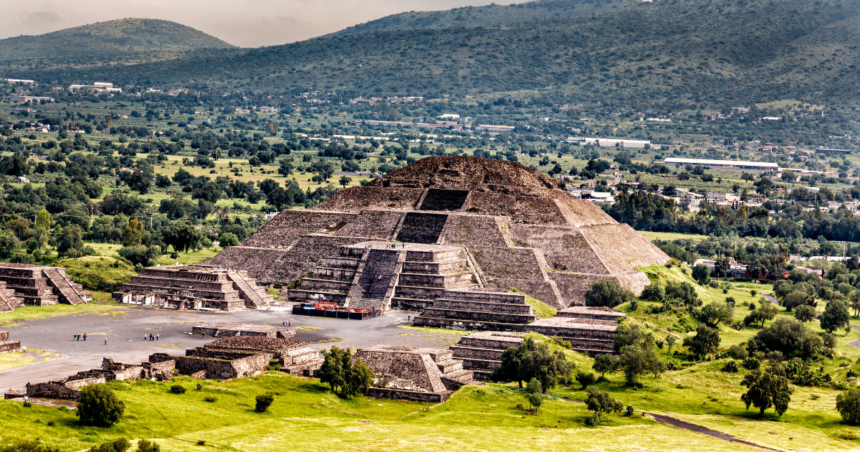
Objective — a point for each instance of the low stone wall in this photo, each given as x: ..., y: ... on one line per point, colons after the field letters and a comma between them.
x: 457, y: 324
x: 53, y: 390
x: 231, y: 364
x: 412, y: 396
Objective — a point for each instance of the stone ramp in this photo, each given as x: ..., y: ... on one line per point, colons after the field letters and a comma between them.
x: 424, y: 228
x: 66, y: 290
x: 250, y: 291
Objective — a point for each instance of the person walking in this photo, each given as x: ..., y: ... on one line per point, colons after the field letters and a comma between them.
x: 290, y: 323
x: 144, y: 336
x: 105, y: 341
x: 85, y: 337
x: 156, y: 336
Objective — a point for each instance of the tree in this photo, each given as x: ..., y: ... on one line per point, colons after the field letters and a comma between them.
x: 804, y: 313
x: 271, y: 128
x: 600, y: 402
x: 229, y: 239
x: 670, y: 341
x: 835, y: 316
x: 132, y: 233
x: 854, y: 301
x: 848, y: 405
x: 285, y: 168
x: 702, y: 274
x: 585, y: 378
x: 70, y: 239
x: 604, y: 363
x: 347, y: 377
x: 767, y: 389
x: 788, y: 337
x: 534, y: 394
x: 607, y: 293
x: 640, y: 358
x: 704, y: 342
x: 99, y: 406
x: 765, y: 311
x: 717, y: 312
x: 684, y: 293
x: 344, y: 181
x: 140, y: 254
x: 44, y: 220
x: 795, y: 299
x: 533, y: 359
x: 181, y: 236
x: 653, y: 291
x: 263, y: 401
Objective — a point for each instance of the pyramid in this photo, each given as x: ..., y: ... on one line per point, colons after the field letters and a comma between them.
x: 508, y: 226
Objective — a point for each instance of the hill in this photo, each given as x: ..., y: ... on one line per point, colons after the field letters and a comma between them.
x: 700, y: 50
x: 486, y: 16
x: 124, y: 40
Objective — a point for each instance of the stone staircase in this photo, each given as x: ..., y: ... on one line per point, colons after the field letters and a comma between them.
x: 69, y: 292
x: 482, y: 352
x: 331, y: 280
x: 476, y: 310
x: 183, y: 287
x: 453, y: 374
x: 254, y: 295
x: 379, y: 273
x: 427, y: 275
x: 8, y: 300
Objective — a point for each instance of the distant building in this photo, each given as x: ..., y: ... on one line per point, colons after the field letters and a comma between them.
x: 448, y: 116
x: 30, y: 99
x: 267, y: 110
x: 611, y: 142
x: 23, y: 180
x: 832, y: 151
x: 725, y: 165
x: 15, y: 81
x: 492, y: 128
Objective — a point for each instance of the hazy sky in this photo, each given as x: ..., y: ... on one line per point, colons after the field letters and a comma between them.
x: 246, y: 23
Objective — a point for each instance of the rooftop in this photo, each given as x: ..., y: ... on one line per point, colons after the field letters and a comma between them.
x: 722, y: 162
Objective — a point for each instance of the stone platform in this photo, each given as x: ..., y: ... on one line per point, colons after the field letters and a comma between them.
x: 244, y: 329
x: 38, y: 285
x: 183, y: 287
x: 482, y: 352
x: 296, y: 357
x: 7, y: 346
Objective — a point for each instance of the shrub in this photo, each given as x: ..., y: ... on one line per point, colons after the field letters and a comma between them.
x: 655, y: 292
x: 534, y: 396
x: 28, y: 446
x: 346, y: 377
x: 210, y: 399
x: 787, y: 336
x: 601, y: 402
x: 27, y: 404
x: 752, y: 363
x: 702, y: 274
x: 99, y: 406
x: 607, y: 293
x: 767, y: 389
x: 585, y: 378
x: 730, y: 366
x: 177, y: 389
x: 737, y: 352
x: 804, y: 313
x: 117, y: 445
x: 533, y: 359
x: 704, y: 342
x: 263, y: 402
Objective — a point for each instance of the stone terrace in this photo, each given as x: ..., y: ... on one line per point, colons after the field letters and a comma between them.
x: 478, y: 310
x: 295, y: 356
x: 70, y: 387
x: 217, y: 364
x: 481, y: 352
x: 180, y: 287
x: 412, y: 373
x: 585, y: 335
x: 244, y: 329
x: 39, y: 286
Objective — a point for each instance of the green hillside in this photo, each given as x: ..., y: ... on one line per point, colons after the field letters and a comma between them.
x: 487, y: 16
x: 121, y: 40
x: 701, y: 50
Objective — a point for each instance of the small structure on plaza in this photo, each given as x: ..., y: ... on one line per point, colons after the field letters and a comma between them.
x: 218, y: 364
x: 193, y: 288
x: 244, y: 329
x: 481, y: 352
x: 295, y: 357
x: 37, y: 285
x: 70, y: 387
x: 412, y: 373
x: 588, y: 329
x: 8, y: 346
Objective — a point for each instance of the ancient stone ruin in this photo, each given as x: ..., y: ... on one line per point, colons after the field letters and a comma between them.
x: 589, y: 330
x: 25, y: 284
x: 244, y: 329
x: 412, y: 373
x: 481, y: 352
x: 295, y: 357
x: 70, y: 387
x: 193, y: 288
x: 8, y: 346
x: 460, y: 224
x: 217, y: 364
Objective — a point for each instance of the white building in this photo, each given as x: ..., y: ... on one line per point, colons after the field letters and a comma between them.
x: 610, y: 142
x: 724, y: 164
x: 449, y: 116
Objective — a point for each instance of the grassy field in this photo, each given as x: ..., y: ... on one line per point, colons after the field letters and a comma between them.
x: 475, y: 418
x: 19, y: 315
x: 191, y: 257
x: 28, y: 356
x: 651, y: 236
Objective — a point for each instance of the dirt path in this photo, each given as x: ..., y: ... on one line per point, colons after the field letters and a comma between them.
x: 663, y: 419
x: 771, y: 298
x: 856, y: 342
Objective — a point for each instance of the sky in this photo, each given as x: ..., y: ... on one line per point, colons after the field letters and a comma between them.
x: 244, y: 23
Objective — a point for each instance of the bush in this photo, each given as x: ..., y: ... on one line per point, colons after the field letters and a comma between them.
x: 147, y: 446
x: 99, y: 406
x: 804, y: 313
x: 600, y: 402
x: 607, y: 293
x: 177, y: 389
x: 848, y: 405
x: 263, y: 402
x: 28, y: 446
x: 788, y: 337
x: 730, y: 366
x: 117, y: 445
x: 654, y: 292
x: 535, y: 394
x: 210, y: 399
x: 702, y: 274
x: 737, y: 352
x: 228, y: 239
x: 752, y: 363
x: 346, y: 377
x: 585, y: 378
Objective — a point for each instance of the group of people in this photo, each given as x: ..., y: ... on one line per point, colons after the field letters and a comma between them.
x: 79, y: 337
x: 150, y: 337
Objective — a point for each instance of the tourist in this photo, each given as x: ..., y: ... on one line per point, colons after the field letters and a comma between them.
x: 85, y: 337
x: 144, y: 336
x: 156, y: 336
x: 290, y: 323
x: 105, y: 341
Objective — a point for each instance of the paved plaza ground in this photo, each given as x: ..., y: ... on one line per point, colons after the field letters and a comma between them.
x: 124, y: 329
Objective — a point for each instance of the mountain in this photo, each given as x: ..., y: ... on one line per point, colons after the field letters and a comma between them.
x: 487, y: 16
x: 714, y: 50
x: 124, y: 40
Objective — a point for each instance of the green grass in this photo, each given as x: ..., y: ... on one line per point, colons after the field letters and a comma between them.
x: 25, y: 313
x: 475, y: 418
x: 540, y: 308
x: 191, y: 257
x: 100, y: 273
x: 105, y: 249
x: 651, y: 236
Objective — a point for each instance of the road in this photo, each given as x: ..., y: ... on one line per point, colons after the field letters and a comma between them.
x: 124, y: 330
